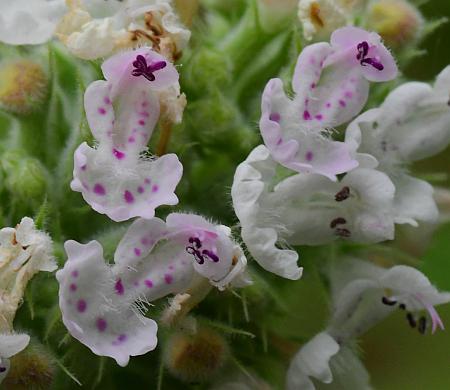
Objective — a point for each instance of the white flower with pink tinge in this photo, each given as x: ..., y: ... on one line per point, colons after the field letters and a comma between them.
x: 122, y: 111
x: 331, y: 85
x: 103, y: 306
x: 363, y: 295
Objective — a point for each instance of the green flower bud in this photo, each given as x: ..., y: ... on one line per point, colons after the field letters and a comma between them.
x: 195, y: 357
x: 397, y: 21
x: 274, y: 14
x: 25, y: 177
x: 23, y: 86
x: 33, y: 368
x: 207, y: 69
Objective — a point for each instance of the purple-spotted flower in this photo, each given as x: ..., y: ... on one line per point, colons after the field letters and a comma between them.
x: 413, y: 123
x: 103, y: 305
x: 307, y: 209
x: 331, y: 85
x: 10, y: 345
x: 122, y: 111
x: 363, y: 295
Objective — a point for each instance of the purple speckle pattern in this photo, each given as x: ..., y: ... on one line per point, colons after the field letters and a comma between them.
x: 73, y: 287
x: 306, y: 115
x: 99, y: 189
x: 148, y: 283
x: 140, y: 189
x: 120, y: 339
x: 74, y: 274
x: 81, y: 305
x: 101, y: 324
x: 128, y: 196
x: 168, y: 278
x: 137, y: 252
x: 155, y: 188
x: 120, y: 289
x: 309, y: 156
x: 118, y: 154
x: 101, y: 111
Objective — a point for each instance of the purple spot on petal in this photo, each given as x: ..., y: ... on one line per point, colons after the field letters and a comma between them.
x: 83, y: 167
x: 348, y: 94
x: 328, y: 105
x: 141, y: 122
x: 140, y: 189
x: 101, y: 324
x: 306, y: 115
x: 144, y: 114
x: 120, y: 339
x: 275, y: 117
x: 101, y: 111
x: 128, y: 196
x: 171, y: 267
x: 131, y: 140
x: 145, y: 241
x: 313, y: 85
x: 107, y: 100
x: 148, y: 283
x: 342, y: 103
x: 137, y: 252
x: 74, y: 274
x: 319, y: 117
x: 279, y: 141
x: 118, y: 154
x: 147, y: 181
x: 168, y: 278
x: 73, y: 287
x: 309, y: 156
x: 99, y: 189
x: 155, y: 188
x: 81, y: 305
x: 119, y: 287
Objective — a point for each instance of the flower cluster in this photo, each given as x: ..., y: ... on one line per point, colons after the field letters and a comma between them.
x: 304, y: 188
x: 326, y: 173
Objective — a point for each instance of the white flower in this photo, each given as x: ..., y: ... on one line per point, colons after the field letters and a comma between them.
x: 103, y: 306
x: 10, y: 345
x: 323, y: 359
x: 363, y: 295
x: 413, y: 123
x: 307, y: 209
x: 24, y: 251
x: 29, y: 22
x: 94, y: 29
x: 319, y: 18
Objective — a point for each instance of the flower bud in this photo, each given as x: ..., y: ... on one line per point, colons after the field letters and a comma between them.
x: 207, y: 69
x: 196, y: 357
x: 23, y: 86
x: 397, y: 21
x: 25, y: 177
x: 32, y: 368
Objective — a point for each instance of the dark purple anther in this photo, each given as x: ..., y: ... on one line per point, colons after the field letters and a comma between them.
x: 342, y: 194
x: 2, y: 369
x: 211, y: 255
x: 388, y: 302
x: 142, y: 69
x: 363, y: 51
x: 194, y: 250
x: 422, y: 325
x: 344, y: 233
x: 337, y: 221
x: 411, y: 320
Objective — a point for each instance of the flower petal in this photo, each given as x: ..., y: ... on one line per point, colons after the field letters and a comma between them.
x: 29, y: 22
x: 121, y: 185
x: 414, y: 201
x: 313, y: 360
x: 11, y: 344
x: 93, y: 311
x: 249, y: 192
x: 126, y: 121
